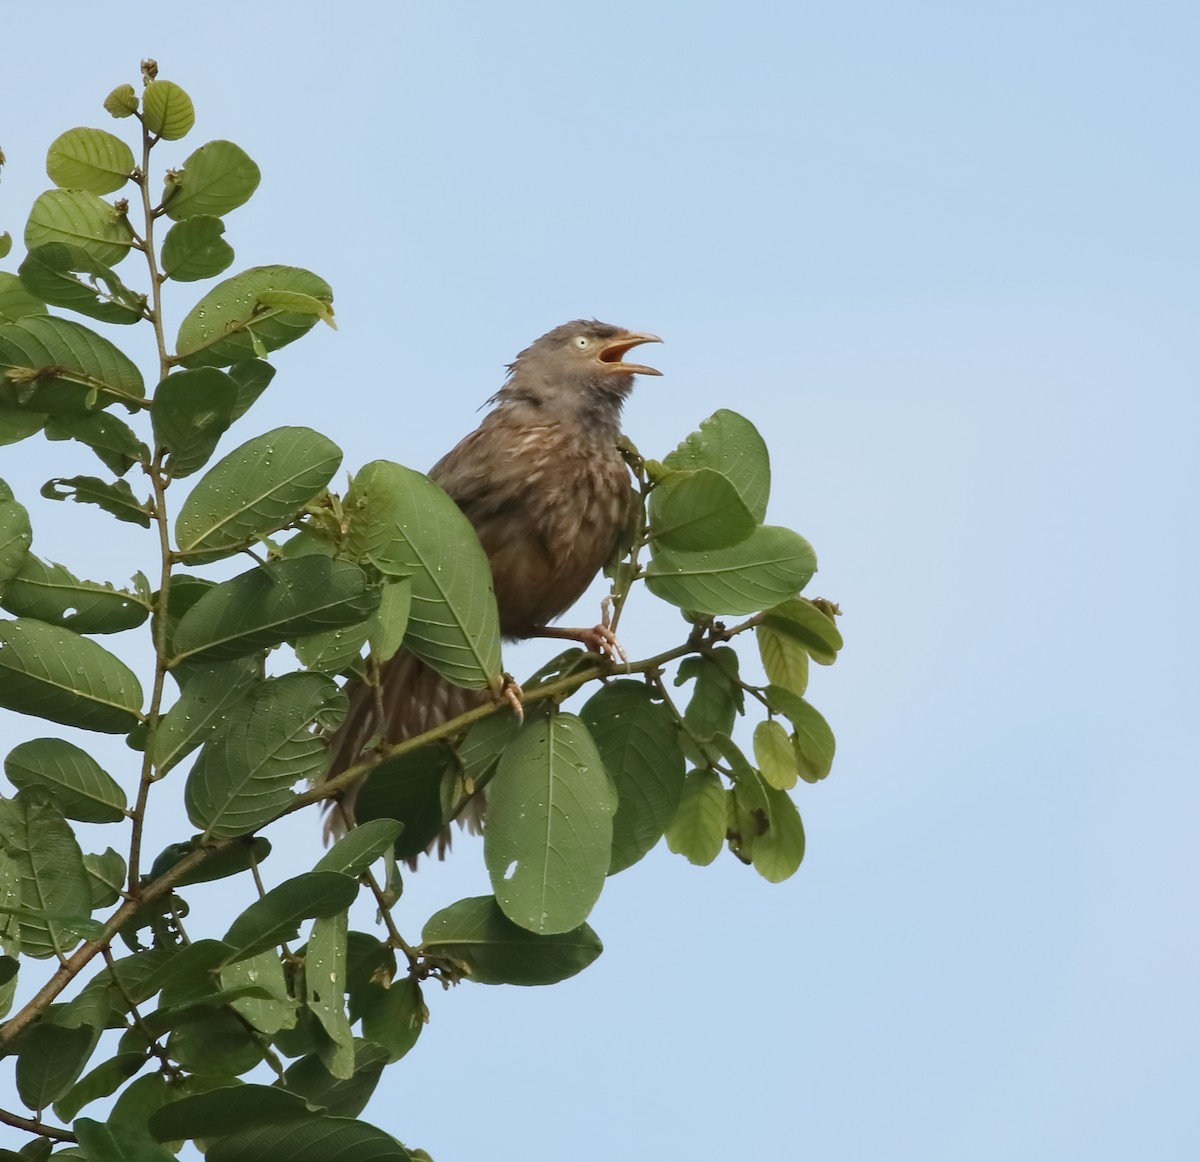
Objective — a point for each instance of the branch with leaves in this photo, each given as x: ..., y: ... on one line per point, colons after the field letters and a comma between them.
x: 166, y: 1030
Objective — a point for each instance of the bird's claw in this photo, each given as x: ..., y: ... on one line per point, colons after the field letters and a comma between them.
x: 512, y: 693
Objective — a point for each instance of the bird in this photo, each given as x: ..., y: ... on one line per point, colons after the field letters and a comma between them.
x: 547, y: 490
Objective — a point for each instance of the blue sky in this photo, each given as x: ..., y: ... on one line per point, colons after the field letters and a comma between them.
x: 944, y: 255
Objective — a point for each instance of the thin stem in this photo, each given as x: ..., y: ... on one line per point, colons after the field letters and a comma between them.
x: 152, y: 1045
x: 33, y: 1126
x: 159, y: 481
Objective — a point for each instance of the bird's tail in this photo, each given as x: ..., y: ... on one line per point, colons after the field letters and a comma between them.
x: 410, y: 699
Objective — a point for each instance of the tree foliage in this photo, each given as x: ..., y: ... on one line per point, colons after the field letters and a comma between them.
x: 244, y: 1041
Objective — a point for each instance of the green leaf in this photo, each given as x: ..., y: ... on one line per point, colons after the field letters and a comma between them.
x: 15, y: 301
x: 191, y: 411
x: 698, y: 510
x: 716, y: 698
x: 52, y: 272
x: 221, y: 328
x: 315, y: 1139
x: 769, y: 565
x: 813, y: 628
x: 16, y: 535
x: 267, y: 1014
x: 51, y: 594
x: 407, y: 788
x: 106, y: 873
x: 245, y: 773
x: 496, y: 951
x: 407, y: 526
x: 229, y: 861
x: 258, y: 488
x: 778, y: 852
x: 784, y: 659
x: 387, y: 627
x: 214, y: 1043
x: 57, y: 675
x: 325, y: 988
x: 638, y: 741
x: 698, y: 829
x: 121, y: 102
x: 270, y: 603
x: 54, y: 365
x: 76, y: 782
x: 205, y: 702
x: 729, y: 444
x: 225, y: 1110
x: 53, y: 879
x: 332, y: 650
x: 5, y: 243
x: 548, y: 842
x: 394, y: 1015
x: 813, y: 741
x: 80, y: 219
x: 216, y: 178
x: 194, y: 249
x: 253, y: 377
x: 16, y: 424
x: 276, y: 917
x: 50, y: 1060
x: 311, y: 1080
x: 119, y: 1140
x: 774, y: 755
x: 167, y: 110
x: 111, y: 439
x: 106, y: 1078
x: 89, y: 159
x: 360, y: 847
x: 115, y: 498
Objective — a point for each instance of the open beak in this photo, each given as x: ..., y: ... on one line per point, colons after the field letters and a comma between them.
x: 612, y: 352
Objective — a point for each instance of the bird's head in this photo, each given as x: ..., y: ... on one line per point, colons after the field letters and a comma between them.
x: 577, y: 369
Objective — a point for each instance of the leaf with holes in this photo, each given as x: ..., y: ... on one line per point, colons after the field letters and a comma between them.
x: 50, y: 593
x: 115, y: 498
x: 113, y: 440
x: 548, y: 842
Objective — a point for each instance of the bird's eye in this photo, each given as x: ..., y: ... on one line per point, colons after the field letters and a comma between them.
x: 582, y: 342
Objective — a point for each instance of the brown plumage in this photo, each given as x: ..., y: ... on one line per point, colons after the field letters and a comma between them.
x: 548, y: 493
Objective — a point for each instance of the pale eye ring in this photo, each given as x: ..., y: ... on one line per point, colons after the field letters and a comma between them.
x: 582, y: 342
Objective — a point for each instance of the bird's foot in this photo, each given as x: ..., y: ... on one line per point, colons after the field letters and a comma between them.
x: 512, y: 693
